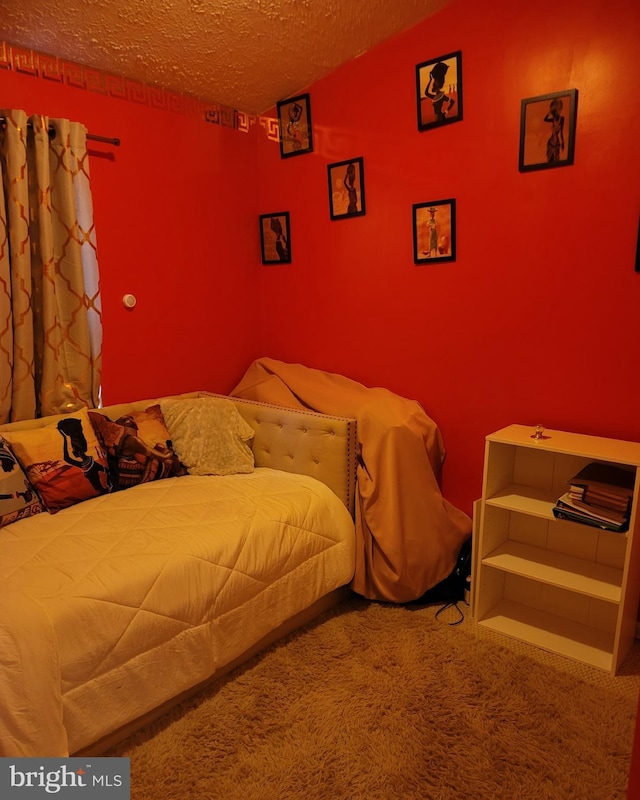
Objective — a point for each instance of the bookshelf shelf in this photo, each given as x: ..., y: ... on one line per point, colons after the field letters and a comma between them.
x: 553, y: 633
x: 557, y: 569
x: 560, y: 585
x: 526, y: 499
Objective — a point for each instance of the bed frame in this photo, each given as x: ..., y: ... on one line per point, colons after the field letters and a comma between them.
x: 292, y: 440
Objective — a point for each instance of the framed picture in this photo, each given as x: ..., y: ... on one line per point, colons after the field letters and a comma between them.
x: 346, y: 188
x: 275, y: 238
x: 434, y: 231
x: 439, y: 91
x: 548, y: 130
x: 294, y: 118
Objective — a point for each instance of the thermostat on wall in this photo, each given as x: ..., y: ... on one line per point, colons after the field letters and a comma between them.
x: 129, y: 301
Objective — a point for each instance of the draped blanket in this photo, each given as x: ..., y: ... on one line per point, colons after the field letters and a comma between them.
x: 408, y: 535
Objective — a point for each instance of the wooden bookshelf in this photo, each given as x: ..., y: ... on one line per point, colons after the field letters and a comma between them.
x: 560, y: 585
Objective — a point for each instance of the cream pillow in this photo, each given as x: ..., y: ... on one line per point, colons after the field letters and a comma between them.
x: 209, y: 435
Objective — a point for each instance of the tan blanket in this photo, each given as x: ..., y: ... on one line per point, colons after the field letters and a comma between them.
x: 115, y: 605
x: 407, y: 535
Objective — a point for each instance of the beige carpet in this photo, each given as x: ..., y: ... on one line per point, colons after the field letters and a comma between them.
x: 384, y: 702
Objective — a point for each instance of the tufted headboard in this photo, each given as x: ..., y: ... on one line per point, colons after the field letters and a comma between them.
x: 297, y: 440
x: 292, y: 440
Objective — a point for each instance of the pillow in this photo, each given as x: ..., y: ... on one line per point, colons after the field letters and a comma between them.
x: 64, y: 461
x: 138, y: 447
x: 209, y: 435
x: 17, y: 496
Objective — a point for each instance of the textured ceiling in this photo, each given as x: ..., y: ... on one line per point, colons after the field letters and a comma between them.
x: 247, y: 54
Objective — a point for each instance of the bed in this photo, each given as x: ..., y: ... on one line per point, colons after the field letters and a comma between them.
x: 118, y: 606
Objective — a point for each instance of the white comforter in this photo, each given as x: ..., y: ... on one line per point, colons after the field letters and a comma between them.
x: 115, y: 605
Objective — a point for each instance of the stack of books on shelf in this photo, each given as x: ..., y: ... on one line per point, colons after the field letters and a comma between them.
x: 599, y: 495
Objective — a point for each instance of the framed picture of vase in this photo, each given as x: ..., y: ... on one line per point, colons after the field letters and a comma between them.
x: 294, y: 119
x: 548, y: 130
x: 439, y: 91
x: 434, y: 231
x: 275, y: 238
x: 346, y: 188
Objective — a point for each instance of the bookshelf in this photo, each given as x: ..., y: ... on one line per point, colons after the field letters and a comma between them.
x: 563, y: 586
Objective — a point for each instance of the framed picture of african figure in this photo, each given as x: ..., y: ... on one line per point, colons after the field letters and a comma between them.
x: 439, y: 91
x: 548, y: 130
x: 294, y: 118
x: 346, y: 188
x: 434, y: 231
x: 275, y: 238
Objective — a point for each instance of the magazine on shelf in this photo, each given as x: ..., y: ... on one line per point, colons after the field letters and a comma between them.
x: 598, y: 516
x: 560, y: 512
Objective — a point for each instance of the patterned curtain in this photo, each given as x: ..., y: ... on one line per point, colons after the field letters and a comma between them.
x: 50, y: 310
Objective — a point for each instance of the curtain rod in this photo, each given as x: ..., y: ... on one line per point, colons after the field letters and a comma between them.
x: 92, y: 136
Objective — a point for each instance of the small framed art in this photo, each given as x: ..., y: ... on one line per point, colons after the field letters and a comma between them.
x: 548, y: 130
x: 346, y: 188
x: 439, y: 91
x: 294, y: 118
x: 275, y: 238
x: 434, y: 231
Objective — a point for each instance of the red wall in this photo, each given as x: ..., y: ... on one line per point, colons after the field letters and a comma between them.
x: 534, y: 322
x: 175, y: 219
x: 537, y: 320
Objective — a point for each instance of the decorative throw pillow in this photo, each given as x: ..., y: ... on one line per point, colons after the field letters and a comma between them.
x: 18, y: 498
x: 138, y: 447
x: 209, y: 435
x: 64, y: 461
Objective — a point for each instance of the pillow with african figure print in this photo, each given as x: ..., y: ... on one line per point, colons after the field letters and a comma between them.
x: 64, y: 461
x: 18, y: 498
x: 138, y: 447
